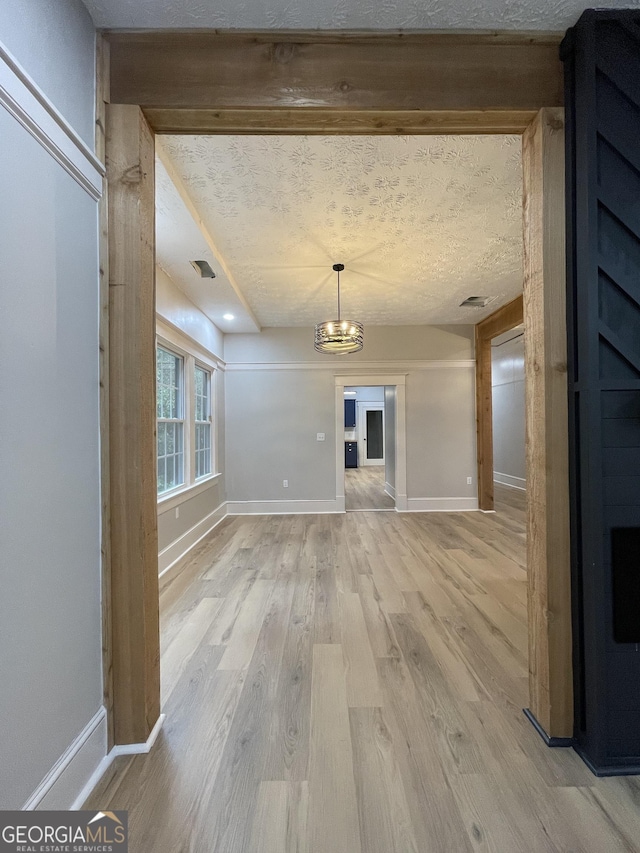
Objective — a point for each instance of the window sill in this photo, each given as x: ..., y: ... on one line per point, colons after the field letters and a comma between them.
x: 178, y: 496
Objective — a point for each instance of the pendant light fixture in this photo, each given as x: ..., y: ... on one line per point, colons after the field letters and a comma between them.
x: 339, y: 337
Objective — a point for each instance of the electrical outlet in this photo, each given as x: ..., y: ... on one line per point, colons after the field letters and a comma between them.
x: 285, y: 484
x: 177, y: 512
x: 469, y: 481
x: 320, y: 436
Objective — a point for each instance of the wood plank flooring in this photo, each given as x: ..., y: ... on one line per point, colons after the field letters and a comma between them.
x: 364, y: 489
x: 354, y: 684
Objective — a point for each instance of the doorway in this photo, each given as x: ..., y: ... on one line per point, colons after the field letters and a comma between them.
x: 365, y: 473
x: 381, y: 486
x: 130, y: 142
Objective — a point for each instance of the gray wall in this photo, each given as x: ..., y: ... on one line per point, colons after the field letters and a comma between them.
x: 192, y: 511
x: 507, y: 379
x: 272, y: 420
x: 441, y: 433
x: 273, y: 414
x: 382, y: 343
x: 55, y: 43
x: 50, y: 643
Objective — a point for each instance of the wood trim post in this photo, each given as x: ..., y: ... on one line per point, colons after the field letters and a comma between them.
x: 134, y: 535
x: 548, y: 557
x: 102, y: 98
x: 505, y: 318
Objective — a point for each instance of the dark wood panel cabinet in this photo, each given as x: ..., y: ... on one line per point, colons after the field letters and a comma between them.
x: 349, y: 414
x: 351, y: 454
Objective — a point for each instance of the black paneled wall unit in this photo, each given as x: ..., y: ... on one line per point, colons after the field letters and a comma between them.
x: 601, y: 55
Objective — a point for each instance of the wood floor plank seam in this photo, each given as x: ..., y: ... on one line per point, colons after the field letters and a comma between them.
x: 355, y: 684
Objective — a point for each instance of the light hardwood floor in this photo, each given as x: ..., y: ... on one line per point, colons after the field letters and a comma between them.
x: 354, y: 684
x: 364, y: 488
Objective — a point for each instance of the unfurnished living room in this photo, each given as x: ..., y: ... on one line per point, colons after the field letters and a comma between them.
x: 328, y: 539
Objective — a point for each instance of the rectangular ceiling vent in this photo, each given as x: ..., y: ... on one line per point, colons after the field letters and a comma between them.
x: 477, y: 301
x: 203, y: 269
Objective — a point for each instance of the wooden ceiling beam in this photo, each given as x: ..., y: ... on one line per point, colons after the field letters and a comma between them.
x: 324, y: 122
x: 197, y: 81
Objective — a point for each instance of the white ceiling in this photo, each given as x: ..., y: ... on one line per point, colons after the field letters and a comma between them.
x: 345, y: 14
x: 420, y: 223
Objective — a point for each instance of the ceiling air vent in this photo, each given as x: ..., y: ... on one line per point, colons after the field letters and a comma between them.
x: 203, y: 269
x: 477, y: 301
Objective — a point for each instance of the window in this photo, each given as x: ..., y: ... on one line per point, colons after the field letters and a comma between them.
x: 202, y: 384
x: 170, y: 404
x: 186, y: 411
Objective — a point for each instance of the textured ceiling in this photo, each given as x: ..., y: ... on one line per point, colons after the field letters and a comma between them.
x: 179, y: 240
x: 345, y: 14
x: 419, y: 222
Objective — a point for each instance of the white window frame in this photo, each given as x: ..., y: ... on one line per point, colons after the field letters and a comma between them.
x: 208, y: 420
x: 181, y: 413
x: 192, y: 355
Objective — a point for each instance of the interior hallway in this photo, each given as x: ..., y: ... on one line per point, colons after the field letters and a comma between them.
x: 364, y: 488
x: 347, y: 683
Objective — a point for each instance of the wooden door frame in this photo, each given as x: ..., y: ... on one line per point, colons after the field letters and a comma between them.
x: 302, y: 83
x: 501, y: 321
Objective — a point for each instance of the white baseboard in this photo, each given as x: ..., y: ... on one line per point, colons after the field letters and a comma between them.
x: 73, y: 777
x: 442, y: 505
x: 390, y: 490
x: 172, y: 554
x: 116, y: 752
x: 284, y: 507
x: 401, y: 502
x: 508, y: 480
x: 70, y: 773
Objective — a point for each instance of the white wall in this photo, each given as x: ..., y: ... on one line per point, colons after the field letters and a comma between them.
x: 280, y: 394
x: 507, y: 380
x: 366, y: 393
x: 50, y: 620
x: 178, y: 311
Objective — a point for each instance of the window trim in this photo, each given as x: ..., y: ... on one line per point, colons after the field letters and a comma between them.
x: 199, y: 365
x: 182, y: 409
x: 176, y: 497
x: 194, y: 357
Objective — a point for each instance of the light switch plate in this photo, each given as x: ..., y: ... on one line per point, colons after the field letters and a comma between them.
x: 320, y: 436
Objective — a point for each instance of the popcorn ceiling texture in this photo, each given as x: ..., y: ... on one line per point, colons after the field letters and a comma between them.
x: 353, y: 14
x: 179, y: 241
x: 420, y: 222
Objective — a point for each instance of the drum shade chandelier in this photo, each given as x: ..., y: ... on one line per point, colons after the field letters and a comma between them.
x: 339, y: 337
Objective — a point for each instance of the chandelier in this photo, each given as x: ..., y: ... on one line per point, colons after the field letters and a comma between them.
x: 339, y: 337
